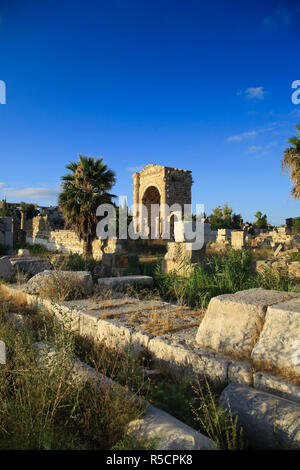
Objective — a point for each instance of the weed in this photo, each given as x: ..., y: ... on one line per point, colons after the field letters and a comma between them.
x: 216, y: 422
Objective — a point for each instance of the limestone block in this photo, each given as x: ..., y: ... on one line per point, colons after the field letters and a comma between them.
x: 89, y: 324
x: 6, y: 268
x: 278, y: 249
x: 238, y: 239
x: 240, y: 372
x: 31, y: 266
x: 232, y: 322
x: 278, y: 346
x: 79, y: 279
x: 69, y: 316
x: 205, y: 363
x: 120, y: 337
x: 276, y: 386
x: 171, y: 433
x: 172, y: 354
x: 123, y: 281
x: 268, y: 421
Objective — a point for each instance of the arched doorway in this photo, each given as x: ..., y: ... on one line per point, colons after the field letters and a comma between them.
x: 152, y: 196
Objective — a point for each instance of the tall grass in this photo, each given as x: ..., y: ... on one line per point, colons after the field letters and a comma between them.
x: 41, y: 407
x: 216, y: 422
x: 222, y: 274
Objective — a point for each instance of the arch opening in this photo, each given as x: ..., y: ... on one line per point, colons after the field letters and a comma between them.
x: 152, y: 196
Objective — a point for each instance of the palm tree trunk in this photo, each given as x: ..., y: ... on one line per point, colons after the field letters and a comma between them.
x: 87, y: 248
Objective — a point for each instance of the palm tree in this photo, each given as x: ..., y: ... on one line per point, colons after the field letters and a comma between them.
x: 83, y: 190
x: 291, y: 163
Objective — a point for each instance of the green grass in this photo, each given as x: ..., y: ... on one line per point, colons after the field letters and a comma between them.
x: 41, y: 408
x: 223, y: 274
x: 295, y: 256
x: 36, y: 249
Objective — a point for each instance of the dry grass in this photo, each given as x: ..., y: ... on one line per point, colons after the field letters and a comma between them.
x: 113, y: 313
x: 262, y: 366
x: 160, y: 323
x: 16, y: 303
x: 111, y: 303
x: 61, y: 288
x: 42, y: 410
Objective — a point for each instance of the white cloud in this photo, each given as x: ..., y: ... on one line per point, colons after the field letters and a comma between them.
x: 262, y: 149
x: 134, y: 168
x: 240, y: 137
x: 255, y: 93
x: 255, y: 148
x: 29, y: 193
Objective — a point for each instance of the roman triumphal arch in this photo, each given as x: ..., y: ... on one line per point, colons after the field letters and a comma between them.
x: 159, y: 185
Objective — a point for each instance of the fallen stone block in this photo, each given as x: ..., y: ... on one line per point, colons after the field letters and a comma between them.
x: 233, y: 322
x: 171, y: 434
x: 278, y: 249
x: 124, y: 281
x: 240, y: 372
x: 278, y: 347
x: 31, y: 266
x: 268, y: 422
x: 6, y: 268
x: 79, y: 280
x: 276, y: 386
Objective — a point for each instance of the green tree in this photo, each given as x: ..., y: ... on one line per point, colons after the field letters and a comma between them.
x: 223, y: 217
x: 4, y: 210
x: 261, y: 220
x: 291, y: 163
x: 83, y: 190
x: 296, y: 224
x: 29, y: 209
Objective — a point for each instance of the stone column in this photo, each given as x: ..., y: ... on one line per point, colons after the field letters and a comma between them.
x: 23, y: 220
x: 136, y: 197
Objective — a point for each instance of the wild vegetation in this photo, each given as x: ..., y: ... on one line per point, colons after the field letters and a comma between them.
x: 42, y: 408
x: 222, y: 274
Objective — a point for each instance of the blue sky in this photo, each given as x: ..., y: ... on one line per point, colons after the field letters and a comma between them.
x: 199, y: 85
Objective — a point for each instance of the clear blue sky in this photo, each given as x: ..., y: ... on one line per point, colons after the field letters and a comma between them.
x: 199, y: 85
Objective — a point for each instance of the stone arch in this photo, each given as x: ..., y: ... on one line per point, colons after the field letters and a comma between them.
x: 151, y: 195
